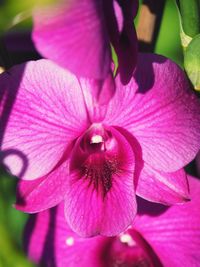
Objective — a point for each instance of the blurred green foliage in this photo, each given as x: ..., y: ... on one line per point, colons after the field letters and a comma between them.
x: 13, y: 12
x: 169, y: 43
x: 10, y: 10
x: 11, y: 225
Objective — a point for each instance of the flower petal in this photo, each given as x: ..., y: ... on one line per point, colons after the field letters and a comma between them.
x: 37, y: 231
x: 97, y: 95
x: 44, y: 118
x: 90, y: 210
x: 159, y: 109
x: 175, y: 233
x: 49, y: 241
x: 160, y: 187
x: 43, y: 193
x: 74, y: 248
x: 73, y: 34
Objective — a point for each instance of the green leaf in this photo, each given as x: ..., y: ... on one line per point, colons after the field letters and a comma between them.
x: 192, y: 61
x: 185, y: 39
x: 11, y: 225
x: 190, y: 15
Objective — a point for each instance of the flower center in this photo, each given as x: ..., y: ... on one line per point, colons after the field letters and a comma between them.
x: 98, y: 158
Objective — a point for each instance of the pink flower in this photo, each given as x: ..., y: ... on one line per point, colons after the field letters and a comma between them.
x: 160, y: 237
x: 76, y: 34
x: 96, y: 158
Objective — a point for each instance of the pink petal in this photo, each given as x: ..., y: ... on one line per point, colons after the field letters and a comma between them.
x: 159, y: 109
x: 42, y: 115
x: 36, y: 232
x: 90, y: 210
x: 73, y: 249
x: 174, y: 234
x: 49, y: 240
x: 161, y: 187
x: 97, y: 94
x: 74, y: 35
x: 43, y: 193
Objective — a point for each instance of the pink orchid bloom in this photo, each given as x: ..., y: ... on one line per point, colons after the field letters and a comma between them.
x: 76, y: 34
x: 160, y: 237
x: 63, y: 149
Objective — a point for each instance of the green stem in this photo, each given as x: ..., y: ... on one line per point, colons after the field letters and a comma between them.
x: 190, y: 15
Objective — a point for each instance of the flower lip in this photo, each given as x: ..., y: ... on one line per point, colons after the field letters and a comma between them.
x: 97, y: 157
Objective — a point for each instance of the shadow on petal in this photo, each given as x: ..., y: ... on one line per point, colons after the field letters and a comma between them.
x: 7, y: 99
x: 145, y: 65
x: 150, y: 208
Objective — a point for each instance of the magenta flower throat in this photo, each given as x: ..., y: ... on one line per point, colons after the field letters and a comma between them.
x: 99, y: 157
x: 96, y: 158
